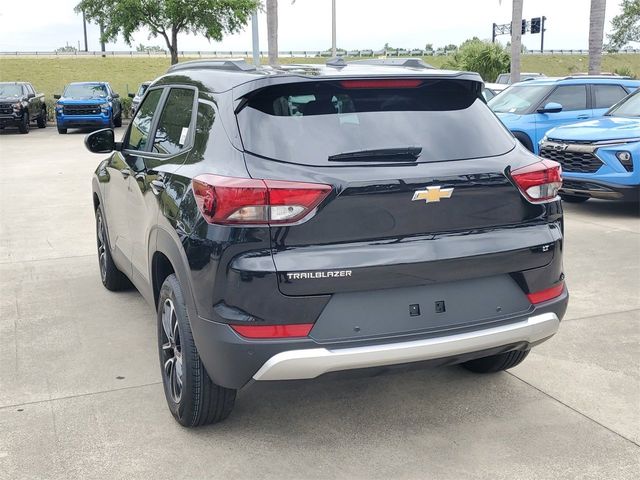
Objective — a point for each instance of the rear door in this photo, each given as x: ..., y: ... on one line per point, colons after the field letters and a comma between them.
x: 575, y: 108
x: 122, y: 165
x: 603, y: 96
x: 168, y: 149
x: 417, y: 169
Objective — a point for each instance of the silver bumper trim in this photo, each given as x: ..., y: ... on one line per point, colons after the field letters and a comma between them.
x: 310, y: 363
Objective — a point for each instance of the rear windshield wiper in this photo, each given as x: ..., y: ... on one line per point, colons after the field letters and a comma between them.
x: 401, y: 154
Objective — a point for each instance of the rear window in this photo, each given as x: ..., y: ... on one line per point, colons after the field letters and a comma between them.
x: 307, y: 123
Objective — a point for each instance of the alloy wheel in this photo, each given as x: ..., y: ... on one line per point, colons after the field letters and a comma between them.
x: 102, y: 249
x: 171, y: 351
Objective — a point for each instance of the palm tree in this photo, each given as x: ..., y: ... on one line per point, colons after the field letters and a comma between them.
x: 596, y: 33
x: 516, y: 39
x: 272, y: 31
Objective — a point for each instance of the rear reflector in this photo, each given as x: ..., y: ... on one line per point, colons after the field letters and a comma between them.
x: 390, y: 83
x: 273, y: 331
x: 238, y: 201
x: 540, y: 181
x: 548, y: 294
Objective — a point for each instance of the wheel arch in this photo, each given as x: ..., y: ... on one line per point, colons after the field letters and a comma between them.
x: 167, y: 257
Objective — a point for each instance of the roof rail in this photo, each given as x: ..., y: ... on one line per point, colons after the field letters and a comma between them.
x: 238, y: 65
x: 580, y: 77
x: 395, y: 62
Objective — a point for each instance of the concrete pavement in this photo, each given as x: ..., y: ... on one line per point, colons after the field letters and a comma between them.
x: 80, y: 395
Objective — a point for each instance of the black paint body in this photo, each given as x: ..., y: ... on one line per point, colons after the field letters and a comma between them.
x: 405, y: 253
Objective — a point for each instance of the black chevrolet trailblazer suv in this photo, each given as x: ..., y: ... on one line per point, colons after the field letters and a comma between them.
x: 294, y: 221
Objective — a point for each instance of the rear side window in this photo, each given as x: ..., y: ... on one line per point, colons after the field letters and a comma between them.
x: 307, y: 123
x: 607, y: 95
x: 173, y: 126
x: 141, y: 124
x: 571, y: 97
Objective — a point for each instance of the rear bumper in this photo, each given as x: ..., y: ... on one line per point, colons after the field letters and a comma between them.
x: 594, y: 188
x: 311, y: 363
x: 233, y: 361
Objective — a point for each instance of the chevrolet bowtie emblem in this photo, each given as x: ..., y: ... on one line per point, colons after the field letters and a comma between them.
x: 432, y: 194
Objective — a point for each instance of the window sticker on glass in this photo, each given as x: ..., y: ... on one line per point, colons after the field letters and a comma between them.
x: 183, y: 135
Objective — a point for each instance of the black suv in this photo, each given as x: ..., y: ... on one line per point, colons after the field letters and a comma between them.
x: 290, y: 222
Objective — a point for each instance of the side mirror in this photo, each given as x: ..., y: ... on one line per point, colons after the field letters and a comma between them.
x: 551, y: 107
x: 31, y: 95
x: 116, y: 95
x: 132, y: 95
x: 100, y: 141
x: 57, y: 97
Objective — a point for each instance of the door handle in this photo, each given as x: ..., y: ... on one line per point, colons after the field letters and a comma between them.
x: 157, y: 186
x: 125, y: 172
x: 582, y: 117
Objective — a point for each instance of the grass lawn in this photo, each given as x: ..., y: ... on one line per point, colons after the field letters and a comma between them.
x: 50, y: 74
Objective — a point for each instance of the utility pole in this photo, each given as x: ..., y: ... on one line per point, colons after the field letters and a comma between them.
x: 84, y: 26
x: 255, y: 38
x: 542, y: 34
x: 493, y: 33
x: 333, y: 28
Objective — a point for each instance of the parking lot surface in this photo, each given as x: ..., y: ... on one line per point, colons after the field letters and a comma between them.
x: 80, y: 391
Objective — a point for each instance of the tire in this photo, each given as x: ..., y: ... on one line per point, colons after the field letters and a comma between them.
x: 42, y: 119
x: 573, y: 198
x: 62, y: 131
x: 24, y: 125
x: 192, y: 397
x: 112, y: 278
x: 496, y: 363
x: 117, y: 122
x: 524, y: 140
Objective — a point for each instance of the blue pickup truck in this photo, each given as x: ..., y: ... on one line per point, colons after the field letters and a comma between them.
x: 88, y: 104
x: 600, y: 158
x: 531, y: 108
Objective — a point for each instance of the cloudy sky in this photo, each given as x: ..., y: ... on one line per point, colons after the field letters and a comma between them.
x: 306, y: 25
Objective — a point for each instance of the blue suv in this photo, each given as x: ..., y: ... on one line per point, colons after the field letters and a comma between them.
x: 531, y: 108
x: 88, y: 104
x: 600, y: 158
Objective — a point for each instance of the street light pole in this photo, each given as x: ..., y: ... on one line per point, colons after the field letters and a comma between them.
x: 333, y: 28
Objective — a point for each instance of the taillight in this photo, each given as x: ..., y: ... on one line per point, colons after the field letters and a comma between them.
x: 231, y: 200
x: 273, y: 331
x: 547, y: 294
x: 540, y: 181
x: 384, y: 83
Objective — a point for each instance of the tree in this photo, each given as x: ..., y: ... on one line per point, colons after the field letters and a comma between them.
x: 168, y: 18
x: 272, y: 31
x: 516, y: 39
x: 626, y: 26
x: 486, y: 58
x: 67, y: 49
x: 596, y: 33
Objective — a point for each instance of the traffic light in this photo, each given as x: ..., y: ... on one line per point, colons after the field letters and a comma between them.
x: 535, y: 25
x: 524, y: 26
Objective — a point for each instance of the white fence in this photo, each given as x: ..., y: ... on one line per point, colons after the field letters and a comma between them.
x: 291, y: 54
